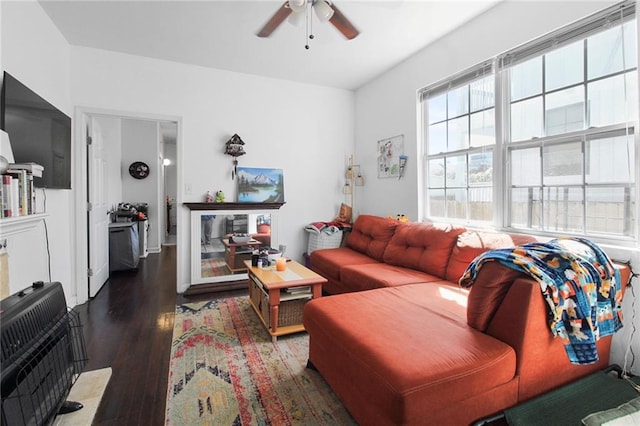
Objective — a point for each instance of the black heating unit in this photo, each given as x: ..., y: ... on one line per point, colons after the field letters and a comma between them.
x: 43, y: 352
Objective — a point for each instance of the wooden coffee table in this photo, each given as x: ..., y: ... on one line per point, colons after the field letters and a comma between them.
x: 278, y: 297
x: 231, y: 252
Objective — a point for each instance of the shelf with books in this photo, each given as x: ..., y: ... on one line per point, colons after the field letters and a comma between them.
x: 17, y: 190
x: 14, y: 225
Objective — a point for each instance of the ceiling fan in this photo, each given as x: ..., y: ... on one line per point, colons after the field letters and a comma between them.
x: 298, y: 11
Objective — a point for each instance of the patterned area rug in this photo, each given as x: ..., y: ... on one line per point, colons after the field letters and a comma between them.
x: 224, y: 370
x: 213, y: 268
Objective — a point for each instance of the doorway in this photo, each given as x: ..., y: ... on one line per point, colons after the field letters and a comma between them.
x: 169, y: 133
x: 113, y: 142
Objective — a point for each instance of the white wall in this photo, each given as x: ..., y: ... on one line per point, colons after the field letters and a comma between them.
x: 141, y: 142
x: 305, y: 130
x: 33, y: 51
x: 388, y: 106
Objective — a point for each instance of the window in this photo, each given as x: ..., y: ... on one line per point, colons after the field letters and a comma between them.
x: 555, y: 149
x: 461, y: 139
x: 582, y: 185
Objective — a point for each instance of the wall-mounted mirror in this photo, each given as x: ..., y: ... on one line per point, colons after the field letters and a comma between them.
x: 215, y: 255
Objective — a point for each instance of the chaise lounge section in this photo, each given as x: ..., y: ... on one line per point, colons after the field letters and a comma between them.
x: 399, y: 351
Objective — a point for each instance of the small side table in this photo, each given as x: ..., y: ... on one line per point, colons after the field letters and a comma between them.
x: 279, y: 296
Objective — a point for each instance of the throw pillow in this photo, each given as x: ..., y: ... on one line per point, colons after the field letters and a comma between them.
x: 344, y: 216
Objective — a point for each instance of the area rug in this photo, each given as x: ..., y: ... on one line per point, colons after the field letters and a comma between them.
x: 225, y: 370
x: 213, y: 268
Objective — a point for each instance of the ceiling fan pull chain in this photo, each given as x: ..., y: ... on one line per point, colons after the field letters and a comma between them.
x: 308, y: 22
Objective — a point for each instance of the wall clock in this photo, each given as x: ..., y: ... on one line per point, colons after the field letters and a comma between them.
x: 139, y: 170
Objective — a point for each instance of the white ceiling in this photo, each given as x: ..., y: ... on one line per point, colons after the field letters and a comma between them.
x: 221, y: 34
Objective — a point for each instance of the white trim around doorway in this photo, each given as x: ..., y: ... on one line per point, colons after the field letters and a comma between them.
x: 79, y: 179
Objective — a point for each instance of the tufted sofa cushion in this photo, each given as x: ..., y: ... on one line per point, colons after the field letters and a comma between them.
x: 487, y: 293
x: 370, y: 235
x: 369, y: 276
x: 471, y: 244
x: 330, y: 262
x: 424, y: 247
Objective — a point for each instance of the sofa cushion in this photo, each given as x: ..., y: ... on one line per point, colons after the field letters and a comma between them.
x: 370, y: 235
x: 404, y: 350
x: 471, y: 244
x: 422, y: 246
x: 378, y: 275
x: 487, y: 293
x: 328, y: 262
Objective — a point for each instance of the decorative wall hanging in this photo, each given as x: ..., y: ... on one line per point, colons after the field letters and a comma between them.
x: 353, y: 178
x: 235, y: 148
x: 403, y: 165
x: 260, y: 185
x: 139, y: 170
x: 389, y: 152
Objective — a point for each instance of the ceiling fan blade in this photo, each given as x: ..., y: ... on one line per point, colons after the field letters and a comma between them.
x: 275, y: 20
x: 342, y: 23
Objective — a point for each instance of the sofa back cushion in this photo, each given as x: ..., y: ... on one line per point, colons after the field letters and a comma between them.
x: 487, y: 293
x: 422, y: 246
x: 471, y: 244
x: 370, y: 235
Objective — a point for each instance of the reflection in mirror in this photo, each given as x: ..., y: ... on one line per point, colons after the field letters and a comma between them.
x: 220, y: 254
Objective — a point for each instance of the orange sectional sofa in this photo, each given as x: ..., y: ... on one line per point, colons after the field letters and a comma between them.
x: 400, y: 342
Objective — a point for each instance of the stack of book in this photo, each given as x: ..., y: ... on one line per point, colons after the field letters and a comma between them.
x: 298, y: 290
x: 17, y: 192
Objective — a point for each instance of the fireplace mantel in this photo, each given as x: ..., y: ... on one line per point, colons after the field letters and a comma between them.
x: 233, y: 206
x: 207, y: 217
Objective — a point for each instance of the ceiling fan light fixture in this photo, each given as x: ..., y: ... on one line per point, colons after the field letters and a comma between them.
x: 297, y: 6
x: 297, y: 18
x: 297, y: 11
x: 324, y: 12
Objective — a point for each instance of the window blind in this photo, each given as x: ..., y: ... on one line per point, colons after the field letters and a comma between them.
x: 457, y: 80
x: 580, y: 29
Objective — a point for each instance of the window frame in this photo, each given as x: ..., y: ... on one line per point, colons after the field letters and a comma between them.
x: 464, y: 79
x: 500, y: 67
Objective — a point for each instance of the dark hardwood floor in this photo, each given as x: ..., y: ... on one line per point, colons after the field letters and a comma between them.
x: 128, y: 326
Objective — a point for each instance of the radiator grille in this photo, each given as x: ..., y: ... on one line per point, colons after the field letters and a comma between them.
x: 19, y: 331
x: 43, y: 352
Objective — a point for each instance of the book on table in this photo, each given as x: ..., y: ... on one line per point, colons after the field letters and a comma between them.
x: 297, y: 290
x: 284, y: 296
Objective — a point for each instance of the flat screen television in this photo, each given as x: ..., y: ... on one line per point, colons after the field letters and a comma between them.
x: 39, y: 133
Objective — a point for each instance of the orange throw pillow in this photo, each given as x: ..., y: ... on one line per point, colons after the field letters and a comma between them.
x: 344, y: 215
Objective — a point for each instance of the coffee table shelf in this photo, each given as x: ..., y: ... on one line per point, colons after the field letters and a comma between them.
x: 281, y: 311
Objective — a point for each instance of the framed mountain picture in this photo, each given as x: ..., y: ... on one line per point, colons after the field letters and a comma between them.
x: 257, y: 185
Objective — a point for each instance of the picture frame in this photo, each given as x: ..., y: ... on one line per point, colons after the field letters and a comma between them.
x: 389, y: 152
x: 260, y: 185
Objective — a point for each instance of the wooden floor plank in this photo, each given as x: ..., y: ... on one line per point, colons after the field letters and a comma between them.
x: 128, y: 326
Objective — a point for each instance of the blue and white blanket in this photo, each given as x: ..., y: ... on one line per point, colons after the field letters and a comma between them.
x: 578, y: 282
